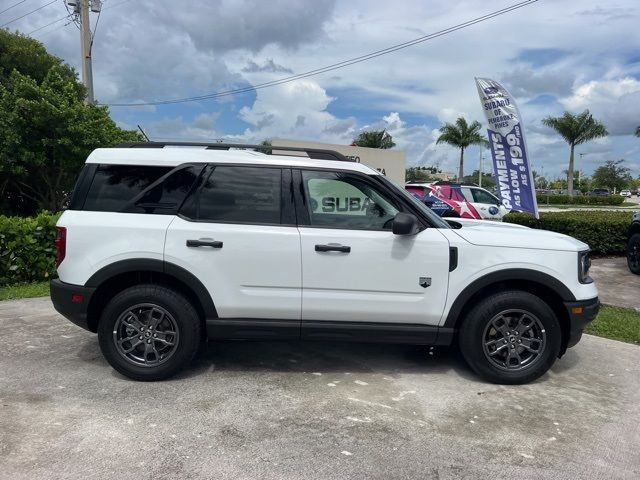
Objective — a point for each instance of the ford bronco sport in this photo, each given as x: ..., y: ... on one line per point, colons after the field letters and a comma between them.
x: 163, y: 247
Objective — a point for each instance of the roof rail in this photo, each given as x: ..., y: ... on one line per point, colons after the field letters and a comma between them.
x: 315, y: 153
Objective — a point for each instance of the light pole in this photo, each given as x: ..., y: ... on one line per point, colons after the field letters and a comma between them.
x: 480, y: 170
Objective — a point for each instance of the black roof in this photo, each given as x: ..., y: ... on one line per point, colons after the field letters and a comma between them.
x: 315, y: 153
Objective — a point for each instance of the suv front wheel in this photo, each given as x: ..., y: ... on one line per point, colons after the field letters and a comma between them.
x: 149, y: 332
x: 510, y: 337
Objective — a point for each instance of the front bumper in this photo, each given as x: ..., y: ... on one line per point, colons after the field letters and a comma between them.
x: 581, y: 313
x: 71, y: 301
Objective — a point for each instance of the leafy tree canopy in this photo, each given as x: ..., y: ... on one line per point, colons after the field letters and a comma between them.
x: 575, y: 130
x: 374, y: 139
x: 461, y: 135
x: 46, y: 130
x: 613, y: 174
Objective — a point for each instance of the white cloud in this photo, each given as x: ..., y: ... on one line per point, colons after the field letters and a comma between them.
x: 614, y: 102
x: 158, y: 49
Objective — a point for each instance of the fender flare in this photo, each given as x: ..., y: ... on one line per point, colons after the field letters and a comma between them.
x: 153, y: 265
x: 512, y: 274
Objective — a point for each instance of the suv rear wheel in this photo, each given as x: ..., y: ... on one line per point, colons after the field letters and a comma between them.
x: 149, y: 332
x: 510, y: 337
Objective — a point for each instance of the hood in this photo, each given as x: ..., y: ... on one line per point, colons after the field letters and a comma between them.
x: 499, y: 234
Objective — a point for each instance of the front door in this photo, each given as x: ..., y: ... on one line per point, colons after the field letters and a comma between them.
x: 354, y: 269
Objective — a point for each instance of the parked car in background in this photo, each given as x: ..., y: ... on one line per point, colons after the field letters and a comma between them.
x: 600, y: 192
x: 459, y: 200
x: 633, y: 245
x: 440, y: 206
x: 625, y: 193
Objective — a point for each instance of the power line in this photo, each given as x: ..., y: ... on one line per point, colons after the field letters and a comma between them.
x: 115, y: 5
x: 57, y: 28
x: 14, y: 5
x: 338, y: 65
x: 95, y: 29
x: 49, y: 24
x: 28, y: 13
x: 71, y: 16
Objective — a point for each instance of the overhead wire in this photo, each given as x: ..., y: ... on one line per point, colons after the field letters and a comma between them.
x: 49, y: 24
x: 14, y: 5
x: 335, y: 66
x: 28, y: 13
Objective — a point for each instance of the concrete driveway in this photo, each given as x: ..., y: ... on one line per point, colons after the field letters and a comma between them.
x: 314, y: 410
x: 616, y: 284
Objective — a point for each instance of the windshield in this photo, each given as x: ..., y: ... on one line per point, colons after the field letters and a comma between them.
x: 435, y: 220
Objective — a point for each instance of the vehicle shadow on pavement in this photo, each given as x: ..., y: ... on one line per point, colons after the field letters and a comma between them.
x: 324, y: 357
x: 327, y: 357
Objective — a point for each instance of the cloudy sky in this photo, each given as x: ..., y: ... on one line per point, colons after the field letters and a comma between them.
x: 552, y: 55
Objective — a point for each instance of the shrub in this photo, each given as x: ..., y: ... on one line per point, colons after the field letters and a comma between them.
x: 604, y: 231
x: 27, y: 253
x: 579, y: 200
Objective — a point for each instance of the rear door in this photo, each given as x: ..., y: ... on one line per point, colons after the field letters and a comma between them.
x: 237, y: 234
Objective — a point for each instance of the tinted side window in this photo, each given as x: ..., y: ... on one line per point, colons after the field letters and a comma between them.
x: 114, y: 186
x: 481, y: 196
x: 167, y: 196
x: 238, y: 195
x: 344, y: 200
x: 468, y: 196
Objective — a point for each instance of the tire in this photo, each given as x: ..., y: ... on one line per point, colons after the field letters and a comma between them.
x: 131, y: 345
x: 633, y: 253
x: 489, y: 332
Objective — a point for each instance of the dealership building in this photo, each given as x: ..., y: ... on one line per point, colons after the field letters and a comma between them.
x: 389, y: 162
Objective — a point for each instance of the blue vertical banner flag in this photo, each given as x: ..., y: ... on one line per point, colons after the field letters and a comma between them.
x: 514, y: 178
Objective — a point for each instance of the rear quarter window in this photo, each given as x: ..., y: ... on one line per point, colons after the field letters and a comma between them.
x: 115, y: 186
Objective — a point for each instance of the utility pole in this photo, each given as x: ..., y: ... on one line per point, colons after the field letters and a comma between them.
x: 85, y: 44
x: 81, y: 9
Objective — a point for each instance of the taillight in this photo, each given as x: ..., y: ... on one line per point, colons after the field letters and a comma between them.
x: 61, y: 244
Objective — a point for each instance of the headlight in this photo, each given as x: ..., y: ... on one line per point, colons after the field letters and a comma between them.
x: 584, y: 264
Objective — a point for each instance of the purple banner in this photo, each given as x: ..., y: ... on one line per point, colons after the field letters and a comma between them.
x: 514, y: 178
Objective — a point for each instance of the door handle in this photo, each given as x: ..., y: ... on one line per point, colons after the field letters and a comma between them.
x: 333, y: 248
x: 204, y: 243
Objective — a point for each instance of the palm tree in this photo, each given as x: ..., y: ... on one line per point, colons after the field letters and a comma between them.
x: 575, y: 129
x: 461, y: 135
x: 374, y: 139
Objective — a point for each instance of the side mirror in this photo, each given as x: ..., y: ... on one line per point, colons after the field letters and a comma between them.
x: 405, y: 224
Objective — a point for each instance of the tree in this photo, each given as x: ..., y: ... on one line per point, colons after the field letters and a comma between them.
x: 613, y: 174
x: 265, y: 147
x: 374, y: 139
x: 488, y: 181
x: 539, y: 181
x: 575, y: 130
x: 46, y: 130
x: 416, y: 174
x: 461, y: 135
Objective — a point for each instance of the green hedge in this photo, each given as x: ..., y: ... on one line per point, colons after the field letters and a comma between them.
x: 27, y: 253
x: 604, y: 231
x: 579, y: 200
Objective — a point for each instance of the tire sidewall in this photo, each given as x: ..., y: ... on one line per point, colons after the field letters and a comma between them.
x: 181, y: 310
x: 634, y: 239
x: 472, y: 336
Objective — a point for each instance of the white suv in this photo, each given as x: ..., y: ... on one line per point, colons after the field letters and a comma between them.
x: 164, y: 247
